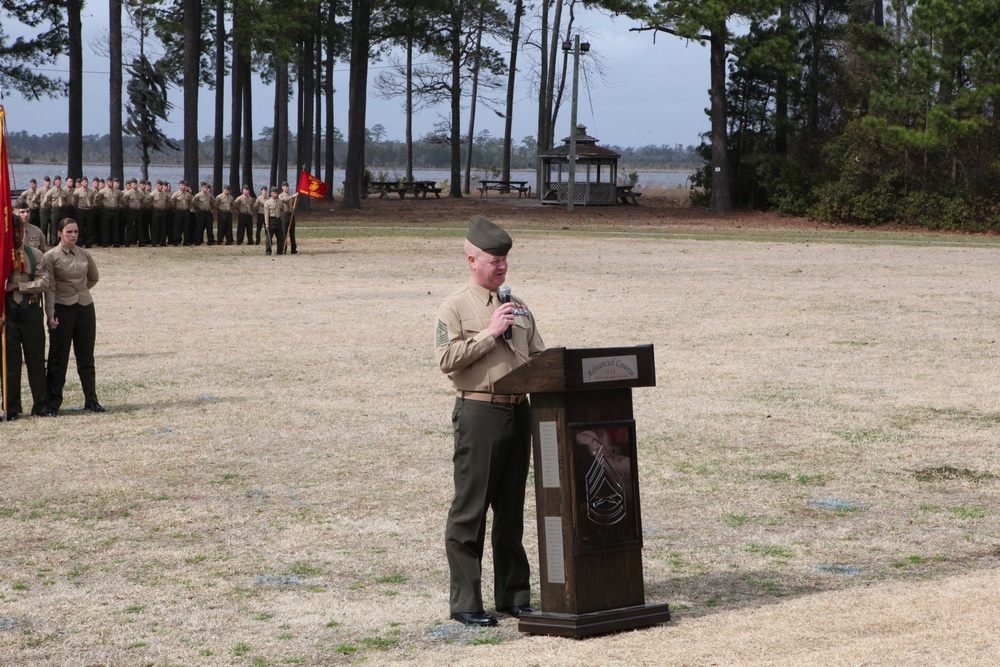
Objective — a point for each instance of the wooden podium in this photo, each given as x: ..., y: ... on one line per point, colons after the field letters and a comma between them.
x: 587, y: 489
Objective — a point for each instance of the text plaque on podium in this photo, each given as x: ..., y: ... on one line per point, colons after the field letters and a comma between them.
x: 587, y: 488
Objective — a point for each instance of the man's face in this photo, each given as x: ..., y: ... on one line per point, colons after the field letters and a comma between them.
x: 246, y: 192
x: 69, y: 182
x: 34, y: 186
x: 488, y: 270
x: 117, y: 184
x: 83, y: 182
x: 159, y: 187
x: 47, y: 183
x: 284, y: 188
x: 204, y: 189
x: 25, y: 215
x: 18, y: 235
x: 225, y: 191
x: 58, y: 182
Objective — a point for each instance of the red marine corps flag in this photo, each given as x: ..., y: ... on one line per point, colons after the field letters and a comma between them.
x: 311, y: 186
x: 6, y: 241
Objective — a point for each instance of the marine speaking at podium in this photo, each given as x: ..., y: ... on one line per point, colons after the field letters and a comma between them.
x: 492, y: 431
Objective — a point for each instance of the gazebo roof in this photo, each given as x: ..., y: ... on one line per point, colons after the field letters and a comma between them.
x: 586, y: 147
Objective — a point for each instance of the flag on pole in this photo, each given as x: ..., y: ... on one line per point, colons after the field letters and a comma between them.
x: 311, y: 186
x: 7, y: 223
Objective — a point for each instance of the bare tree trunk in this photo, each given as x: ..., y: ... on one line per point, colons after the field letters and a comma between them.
x: 304, y: 158
x: 218, y: 152
x: 236, y: 117
x: 331, y: 162
x: 409, y: 108
x: 543, y: 85
x: 455, y: 39
x: 330, y: 35
x: 472, y: 103
x: 317, y: 64
x: 192, y: 53
x: 247, y: 123
x: 511, y: 78
x: 281, y: 129
x: 74, y: 166
x: 721, y: 190
x: 354, y: 174
x: 117, y: 150
x: 551, y: 78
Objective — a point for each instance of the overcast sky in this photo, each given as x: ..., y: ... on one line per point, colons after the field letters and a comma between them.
x: 654, y: 93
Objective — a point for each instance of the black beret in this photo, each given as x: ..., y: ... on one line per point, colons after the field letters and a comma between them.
x: 488, y: 236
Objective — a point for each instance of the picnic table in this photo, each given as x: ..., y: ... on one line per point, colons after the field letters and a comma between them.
x: 522, y: 187
x: 402, y: 188
x: 625, y: 194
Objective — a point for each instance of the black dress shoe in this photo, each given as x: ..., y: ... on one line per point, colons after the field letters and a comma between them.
x: 13, y: 416
x: 94, y: 406
x: 517, y: 610
x: 51, y: 412
x: 478, y: 619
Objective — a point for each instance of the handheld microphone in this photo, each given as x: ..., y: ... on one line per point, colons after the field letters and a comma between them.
x: 503, y: 294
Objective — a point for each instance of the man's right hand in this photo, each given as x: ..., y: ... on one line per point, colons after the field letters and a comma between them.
x: 502, y: 318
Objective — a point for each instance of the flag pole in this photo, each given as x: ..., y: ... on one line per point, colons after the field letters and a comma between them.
x: 4, y: 227
x: 3, y: 335
x: 291, y: 222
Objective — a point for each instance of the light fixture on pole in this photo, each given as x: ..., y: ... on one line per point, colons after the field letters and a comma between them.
x: 577, y: 49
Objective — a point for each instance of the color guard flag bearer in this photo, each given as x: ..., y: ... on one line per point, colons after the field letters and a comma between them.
x: 6, y: 242
x: 309, y: 186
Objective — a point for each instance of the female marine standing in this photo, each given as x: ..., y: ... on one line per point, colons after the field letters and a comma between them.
x: 70, y: 311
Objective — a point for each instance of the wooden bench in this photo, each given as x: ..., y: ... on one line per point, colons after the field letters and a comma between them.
x: 625, y: 195
x: 521, y: 187
x: 424, y: 188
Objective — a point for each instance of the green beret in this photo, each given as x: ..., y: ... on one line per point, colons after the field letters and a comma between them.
x: 488, y: 237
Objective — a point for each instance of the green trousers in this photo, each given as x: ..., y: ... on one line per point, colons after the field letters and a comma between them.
x: 492, y: 448
x: 77, y: 329
x: 26, y: 332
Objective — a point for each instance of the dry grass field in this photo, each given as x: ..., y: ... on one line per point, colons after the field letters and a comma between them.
x: 818, y: 461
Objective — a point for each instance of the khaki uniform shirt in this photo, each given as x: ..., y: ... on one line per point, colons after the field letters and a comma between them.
x: 203, y: 201
x: 83, y: 198
x: 28, y: 288
x: 161, y: 200
x: 40, y: 197
x: 224, y: 202
x: 34, y: 237
x: 288, y: 199
x: 146, y: 199
x: 273, y: 208
x: 55, y: 197
x: 73, y: 274
x: 132, y: 199
x: 181, y: 200
x: 29, y: 198
x: 466, y: 350
x: 107, y: 198
x: 244, y: 205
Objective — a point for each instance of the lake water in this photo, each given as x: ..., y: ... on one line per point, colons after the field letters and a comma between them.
x: 22, y: 173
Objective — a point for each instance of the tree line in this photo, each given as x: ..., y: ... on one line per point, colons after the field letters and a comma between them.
x: 860, y: 111
x: 855, y: 111
x: 381, y: 153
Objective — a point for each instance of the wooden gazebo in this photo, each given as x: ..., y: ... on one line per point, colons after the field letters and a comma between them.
x: 596, y: 175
